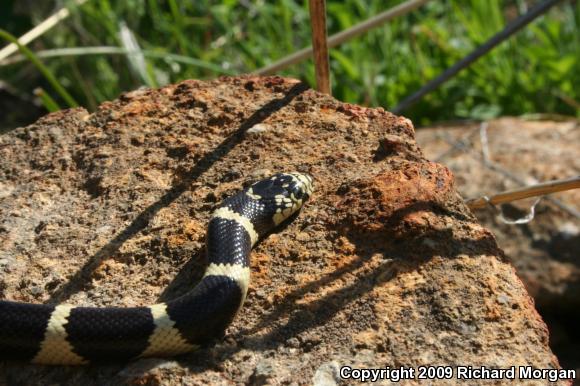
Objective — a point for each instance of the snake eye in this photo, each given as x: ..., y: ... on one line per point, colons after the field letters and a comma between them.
x: 298, y: 194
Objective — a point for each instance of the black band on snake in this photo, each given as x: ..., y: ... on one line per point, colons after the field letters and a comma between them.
x: 66, y: 334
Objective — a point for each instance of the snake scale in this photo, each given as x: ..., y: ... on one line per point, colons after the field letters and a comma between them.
x: 66, y: 334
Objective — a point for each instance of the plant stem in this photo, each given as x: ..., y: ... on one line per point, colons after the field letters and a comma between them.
x: 41, y: 67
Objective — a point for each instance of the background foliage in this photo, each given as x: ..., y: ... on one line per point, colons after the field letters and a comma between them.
x: 537, y: 71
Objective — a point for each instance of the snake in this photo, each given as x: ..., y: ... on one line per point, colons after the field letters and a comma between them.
x: 65, y: 334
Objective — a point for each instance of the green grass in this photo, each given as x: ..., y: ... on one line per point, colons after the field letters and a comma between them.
x: 43, y: 70
x: 536, y: 71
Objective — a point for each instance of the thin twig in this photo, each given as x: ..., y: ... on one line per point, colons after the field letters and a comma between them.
x: 47, y: 24
x: 463, y: 144
x: 343, y: 36
x: 526, y: 192
x: 318, y: 23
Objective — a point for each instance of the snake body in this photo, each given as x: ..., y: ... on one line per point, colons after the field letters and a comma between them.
x: 66, y: 334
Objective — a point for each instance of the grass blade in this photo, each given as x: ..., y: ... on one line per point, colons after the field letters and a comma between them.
x: 47, y: 101
x: 41, y: 67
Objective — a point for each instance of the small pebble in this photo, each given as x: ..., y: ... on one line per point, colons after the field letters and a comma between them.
x: 327, y: 375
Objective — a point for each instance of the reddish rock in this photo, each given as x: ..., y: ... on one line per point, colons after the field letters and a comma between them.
x: 384, y: 267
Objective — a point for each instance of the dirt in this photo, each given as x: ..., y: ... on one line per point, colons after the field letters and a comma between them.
x: 385, y: 266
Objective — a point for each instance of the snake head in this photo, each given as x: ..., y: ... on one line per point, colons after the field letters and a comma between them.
x: 283, y: 194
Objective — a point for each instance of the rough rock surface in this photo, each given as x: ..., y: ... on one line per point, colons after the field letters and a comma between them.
x: 529, y: 152
x: 545, y: 251
x: 384, y: 267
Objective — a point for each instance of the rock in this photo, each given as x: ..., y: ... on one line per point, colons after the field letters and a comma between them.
x: 257, y: 129
x: 327, y: 375
x: 545, y: 250
x: 147, y: 371
x: 385, y: 266
x: 263, y: 372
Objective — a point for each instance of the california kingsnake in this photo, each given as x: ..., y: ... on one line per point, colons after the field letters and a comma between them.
x: 66, y: 334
